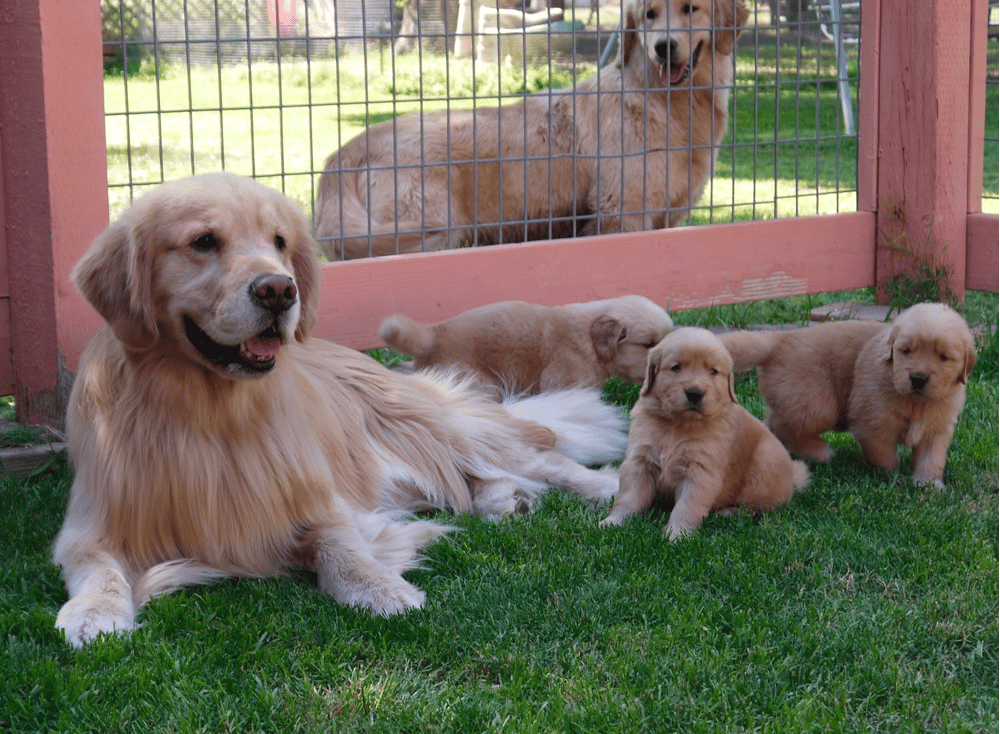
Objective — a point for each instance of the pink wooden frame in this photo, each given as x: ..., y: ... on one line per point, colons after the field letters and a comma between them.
x: 919, y: 144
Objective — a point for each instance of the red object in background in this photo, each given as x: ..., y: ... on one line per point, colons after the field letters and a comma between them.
x: 281, y: 13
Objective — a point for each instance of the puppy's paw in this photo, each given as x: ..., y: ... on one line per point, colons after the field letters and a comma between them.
x: 928, y: 482
x: 499, y: 499
x: 84, y: 617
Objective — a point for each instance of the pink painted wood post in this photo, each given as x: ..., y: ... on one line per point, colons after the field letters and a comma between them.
x: 923, y: 129
x: 55, y: 194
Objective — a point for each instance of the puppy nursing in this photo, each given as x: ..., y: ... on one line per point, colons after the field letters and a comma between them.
x: 691, y: 442
x: 898, y: 384
x: 524, y: 348
x: 212, y: 437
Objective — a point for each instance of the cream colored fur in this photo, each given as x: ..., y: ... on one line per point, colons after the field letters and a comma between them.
x: 691, y: 444
x: 212, y: 437
x: 898, y: 384
x: 525, y: 348
x: 628, y: 149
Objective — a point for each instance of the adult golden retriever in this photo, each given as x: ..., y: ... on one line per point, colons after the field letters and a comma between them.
x: 692, y: 443
x: 212, y: 437
x: 889, y: 384
x: 525, y: 348
x: 628, y: 149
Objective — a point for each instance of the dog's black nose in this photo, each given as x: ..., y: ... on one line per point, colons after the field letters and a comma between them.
x: 918, y: 381
x: 694, y: 395
x: 665, y: 49
x: 276, y: 293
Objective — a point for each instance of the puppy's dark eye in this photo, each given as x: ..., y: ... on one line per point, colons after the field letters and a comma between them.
x: 279, y: 243
x: 688, y: 9
x: 206, y: 243
x: 650, y: 14
x: 944, y: 357
x: 713, y: 372
x: 649, y: 345
x: 905, y: 350
x: 675, y: 368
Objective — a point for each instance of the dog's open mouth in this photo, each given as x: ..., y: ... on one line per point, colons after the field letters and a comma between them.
x: 255, y: 355
x: 671, y: 74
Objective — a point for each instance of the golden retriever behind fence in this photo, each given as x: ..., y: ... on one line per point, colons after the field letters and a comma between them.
x: 212, y: 437
x: 628, y: 149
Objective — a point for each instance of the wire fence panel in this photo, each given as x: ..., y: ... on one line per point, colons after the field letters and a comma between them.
x: 431, y: 124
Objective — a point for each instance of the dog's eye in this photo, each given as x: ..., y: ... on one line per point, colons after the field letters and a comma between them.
x: 905, y: 351
x: 944, y: 357
x: 650, y: 14
x: 279, y: 243
x: 713, y: 372
x: 205, y: 243
x: 675, y: 368
x: 689, y: 9
x: 649, y: 345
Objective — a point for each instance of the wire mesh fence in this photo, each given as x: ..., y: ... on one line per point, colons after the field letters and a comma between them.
x: 509, y: 119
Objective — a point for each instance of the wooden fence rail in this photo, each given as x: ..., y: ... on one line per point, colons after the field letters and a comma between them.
x: 920, y: 143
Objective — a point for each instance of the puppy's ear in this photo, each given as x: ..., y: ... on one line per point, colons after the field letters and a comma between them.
x: 652, y: 370
x: 115, y: 276
x: 308, y: 271
x: 606, y: 334
x: 728, y: 20
x: 732, y: 387
x: 626, y: 39
x: 970, y: 363
x: 891, y: 342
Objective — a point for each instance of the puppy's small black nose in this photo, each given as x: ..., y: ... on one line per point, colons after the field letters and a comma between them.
x: 276, y: 293
x: 665, y: 49
x: 918, y: 380
x: 694, y: 395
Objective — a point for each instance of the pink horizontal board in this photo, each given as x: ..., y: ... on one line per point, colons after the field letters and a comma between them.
x: 680, y: 268
x: 982, y: 256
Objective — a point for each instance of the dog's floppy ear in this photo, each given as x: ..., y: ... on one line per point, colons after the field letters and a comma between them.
x: 115, y: 276
x: 970, y: 363
x: 308, y: 271
x: 891, y: 341
x: 652, y: 370
x: 728, y: 20
x: 732, y: 387
x: 626, y: 39
x: 606, y: 333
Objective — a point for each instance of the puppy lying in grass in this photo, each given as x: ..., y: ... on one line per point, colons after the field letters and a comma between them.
x: 691, y: 442
x: 898, y: 384
x: 524, y: 348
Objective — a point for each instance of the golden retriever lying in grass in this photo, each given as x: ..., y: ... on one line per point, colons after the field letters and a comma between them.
x: 212, y: 437
x: 628, y: 149
x: 524, y: 348
x: 691, y: 442
x: 889, y: 384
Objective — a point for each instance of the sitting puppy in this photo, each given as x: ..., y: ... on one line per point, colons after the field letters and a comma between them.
x: 889, y: 384
x: 691, y: 442
x: 523, y: 348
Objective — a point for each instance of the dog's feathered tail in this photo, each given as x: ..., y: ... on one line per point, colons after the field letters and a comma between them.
x: 750, y: 349
x: 588, y: 430
x: 800, y: 474
x: 403, y: 333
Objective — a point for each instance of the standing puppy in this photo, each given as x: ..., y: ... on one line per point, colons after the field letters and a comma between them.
x: 691, y: 442
x: 889, y: 384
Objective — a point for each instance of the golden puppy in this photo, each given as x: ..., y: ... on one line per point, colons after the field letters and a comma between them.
x: 691, y: 442
x: 628, y: 149
x: 524, y: 348
x: 889, y: 384
x: 212, y: 437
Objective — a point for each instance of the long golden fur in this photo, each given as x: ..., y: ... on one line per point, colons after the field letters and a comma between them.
x: 525, y: 348
x: 628, y: 149
x: 212, y: 437
x: 692, y: 443
x: 898, y: 384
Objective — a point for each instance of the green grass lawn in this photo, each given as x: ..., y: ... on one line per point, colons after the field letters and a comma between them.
x: 786, y: 154
x: 865, y: 604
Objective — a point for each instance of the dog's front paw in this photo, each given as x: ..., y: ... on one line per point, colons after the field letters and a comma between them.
x: 383, y: 596
x: 83, y: 618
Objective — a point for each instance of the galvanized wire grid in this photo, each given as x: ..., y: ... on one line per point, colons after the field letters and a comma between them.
x: 200, y: 85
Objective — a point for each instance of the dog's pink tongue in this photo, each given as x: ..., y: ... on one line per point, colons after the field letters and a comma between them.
x: 676, y: 76
x: 263, y: 348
